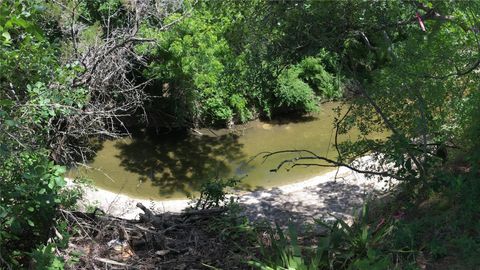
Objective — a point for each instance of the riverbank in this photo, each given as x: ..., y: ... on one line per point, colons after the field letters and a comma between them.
x: 338, y: 192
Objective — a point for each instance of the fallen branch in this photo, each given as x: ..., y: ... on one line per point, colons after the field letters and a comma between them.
x: 313, y: 156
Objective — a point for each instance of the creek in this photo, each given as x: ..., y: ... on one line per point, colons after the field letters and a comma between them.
x: 171, y: 166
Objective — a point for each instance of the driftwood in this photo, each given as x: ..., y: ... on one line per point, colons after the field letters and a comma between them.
x: 166, y: 221
x: 149, y: 217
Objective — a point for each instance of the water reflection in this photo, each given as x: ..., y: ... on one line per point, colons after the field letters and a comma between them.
x: 180, y: 162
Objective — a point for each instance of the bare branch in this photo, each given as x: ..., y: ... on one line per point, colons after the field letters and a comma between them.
x: 107, y: 64
x: 331, y: 163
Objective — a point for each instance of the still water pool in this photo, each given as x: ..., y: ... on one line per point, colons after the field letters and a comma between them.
x: 166, y: 166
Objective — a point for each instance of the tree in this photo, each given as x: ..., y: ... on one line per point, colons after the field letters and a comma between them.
x: 221, y: 65
x: 65, y: 80
x: 422, y: 94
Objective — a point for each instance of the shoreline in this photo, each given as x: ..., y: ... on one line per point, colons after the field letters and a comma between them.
x: 338, y: 191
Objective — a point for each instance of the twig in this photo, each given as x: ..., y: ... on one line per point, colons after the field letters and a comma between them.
x: 108, y: 261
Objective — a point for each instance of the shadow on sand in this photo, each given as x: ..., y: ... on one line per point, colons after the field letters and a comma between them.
x: 323, y: 201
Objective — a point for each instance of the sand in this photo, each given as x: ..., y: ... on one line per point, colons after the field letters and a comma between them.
x: 339, y: 193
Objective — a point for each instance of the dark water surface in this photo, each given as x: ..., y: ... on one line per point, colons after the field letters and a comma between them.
x: 172, y: 165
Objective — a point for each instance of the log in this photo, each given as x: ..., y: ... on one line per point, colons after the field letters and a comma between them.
x: 149, y: 217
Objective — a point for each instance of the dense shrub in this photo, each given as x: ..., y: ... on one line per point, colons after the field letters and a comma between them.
x: 294, y: 94
x: 31, y: 185
x: 301, y: 86
x: 31, y: 191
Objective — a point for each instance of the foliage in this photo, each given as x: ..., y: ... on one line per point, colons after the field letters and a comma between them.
x: 418, y: 95
x: 208, y: 71
x: 75, y: 70
x: 26, y: 56
x: 293, y: 93
x: 44, y: 257
x: 233, y: 226
x: 214, y: 194
x: 31, y: 190
x: 65, y: 79
x: 31, y: 185
x: 360, y: 246
x: 301, y: 86
x: 314, y: 71
x: 279, y: 253
x: 191, y: 59
x: 444, y: 226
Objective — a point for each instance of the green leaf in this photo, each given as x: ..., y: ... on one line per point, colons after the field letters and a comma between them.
x: 20, y: 22
x: 7, y: 36
x: 365, y: 234
x: 6, y: 103
x: 10, y: 123
x: 59, y: 181
x: 30, y: 223
x: 294, y: 240
x: 408, y: 164
x: 51, y: 183
x: 60, y: 170
x: 10, y: 221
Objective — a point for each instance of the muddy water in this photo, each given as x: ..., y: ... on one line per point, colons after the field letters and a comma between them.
x: 171, y: 166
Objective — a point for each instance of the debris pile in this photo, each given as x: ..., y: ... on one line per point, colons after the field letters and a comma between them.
x: 155, y: 241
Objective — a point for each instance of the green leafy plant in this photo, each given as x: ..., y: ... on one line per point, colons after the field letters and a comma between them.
x: 315, y: 73
x: 234, y: 226
x: 294, y: 94
x: 282, y: 251
x: 32, y: 186
x: 44, y: 258
x: 213, y: 193
x: 359, y: 246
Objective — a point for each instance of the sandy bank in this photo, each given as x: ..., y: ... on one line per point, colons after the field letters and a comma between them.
x: 337, y: 192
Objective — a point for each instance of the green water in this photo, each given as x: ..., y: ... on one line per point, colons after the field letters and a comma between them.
x: 171, y: 166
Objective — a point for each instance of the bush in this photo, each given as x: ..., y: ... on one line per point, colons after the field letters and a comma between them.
x: 293, y: 94
x: 213, y: 193
x: 31, y: 185
x: 322, y: 82
x: 300, y: 87
x: 31, y: 192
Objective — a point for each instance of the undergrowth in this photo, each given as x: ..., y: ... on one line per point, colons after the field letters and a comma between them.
x: 440, y: 232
